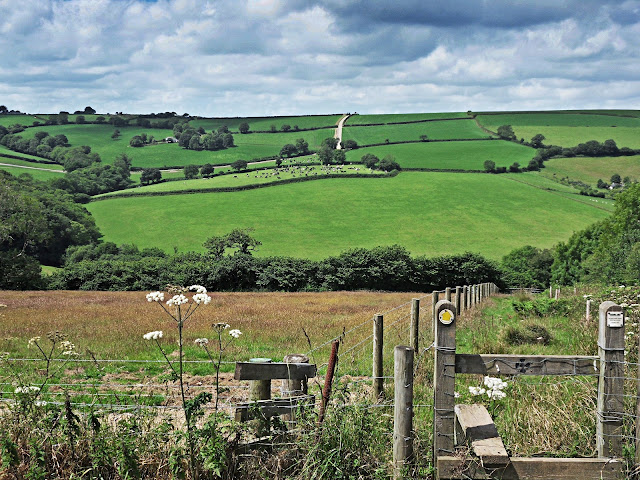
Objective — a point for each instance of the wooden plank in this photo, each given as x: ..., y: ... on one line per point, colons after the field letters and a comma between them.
x: 273, y: 371
x: 523, y: 468
x: 270, y: 408
x: 482, y: 435
x: 490, y: 364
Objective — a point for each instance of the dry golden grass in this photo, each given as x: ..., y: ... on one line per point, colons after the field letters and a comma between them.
x: 111, y: 324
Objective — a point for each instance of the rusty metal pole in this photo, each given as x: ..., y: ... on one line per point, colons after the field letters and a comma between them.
x: 328, y: 380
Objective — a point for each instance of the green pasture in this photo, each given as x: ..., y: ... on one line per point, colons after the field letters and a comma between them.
x: 556, y: 119
x: 37, y: 174
x: 428, y: 213
x: 264, y: 123
x: 589, y: 170
x: 248, y: 147
x: 444, y: 130
x: 254, y: 177
x: 26, y: 120
x: 357, y: 119
x: 572, y: 136
x: 450, y: 155
x: 25, y: 156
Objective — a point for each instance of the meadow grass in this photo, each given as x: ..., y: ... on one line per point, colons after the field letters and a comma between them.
x: 590, y: 170
x: 37, y: 174
x: 445, y: 130
x: 26, y: 120
x: 255, y: 177
x: 27, y: 162
x: 382, y: 118
x: 450, y: 155
x: 248, y: 147
x: 556, y: 119
x: 24, y: 156
x: 264, y: 123
x: 428, y: 213
x: 572, y: 136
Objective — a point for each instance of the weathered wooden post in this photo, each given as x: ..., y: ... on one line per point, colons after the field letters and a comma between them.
x: 458, y: 301
x: 403, y: 409
x: 295, y: 388
x: 550, y: 291
x: 378, y: 385
x: 415, y: 321
x: 588, y: 316
x: 444, y: 380
x: 447, y: 294
x: 260, y: 390
x: 434, y: 301
x: 611, y: 381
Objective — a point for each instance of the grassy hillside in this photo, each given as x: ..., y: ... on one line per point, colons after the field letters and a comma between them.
x: 264, y: 123
x: 450, y: 155
x: 429, y: 213
x: 589, y: 170
x: 444, y: 130
x: 357, y: 119
x: 568, y: 129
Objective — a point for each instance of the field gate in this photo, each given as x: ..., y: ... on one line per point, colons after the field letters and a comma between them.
x: 456, y: 423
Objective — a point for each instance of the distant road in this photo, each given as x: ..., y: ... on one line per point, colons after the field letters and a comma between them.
x: 31, y: 168
x: 338, y: 134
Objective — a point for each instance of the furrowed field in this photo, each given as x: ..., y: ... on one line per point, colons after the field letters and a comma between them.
x: 428, y: 213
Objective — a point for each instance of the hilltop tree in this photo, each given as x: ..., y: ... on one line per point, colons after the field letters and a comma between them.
x: 243, y: 127
x: 190, y: 172
x: 150, y: 175
x: 506, y: 132
x: 288, y: 150
x: 239, y: 165
x: 89, y: 111
x: 302, y: 146
x: 285, y: 127
x: 239, y: 239
x: 489, y: 166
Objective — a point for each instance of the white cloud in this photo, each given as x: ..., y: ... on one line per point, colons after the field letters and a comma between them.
x: 257, y: 57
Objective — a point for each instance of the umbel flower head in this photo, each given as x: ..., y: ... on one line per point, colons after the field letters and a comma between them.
x: 153, y: 335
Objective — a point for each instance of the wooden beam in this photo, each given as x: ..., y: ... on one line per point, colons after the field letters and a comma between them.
x: 270, y: 408
x: 526, y: 364
x: 274, y: 371
x: 522, y: 468
x: 481, y: 434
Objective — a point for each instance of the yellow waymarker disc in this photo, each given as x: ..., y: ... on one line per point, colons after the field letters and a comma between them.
x: 446, y: 316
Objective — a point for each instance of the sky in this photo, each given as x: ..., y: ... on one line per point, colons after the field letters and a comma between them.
x: 230, y: 58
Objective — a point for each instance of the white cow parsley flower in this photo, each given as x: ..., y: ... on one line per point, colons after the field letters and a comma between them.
x: 235, y: 333
x: 153, y: 335
x: 155, y: 297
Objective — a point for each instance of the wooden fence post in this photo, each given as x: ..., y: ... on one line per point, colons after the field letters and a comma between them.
x: 378, y: 385
x: 260, y: 390
x: 611, y: 381
x: 588, y: 317
x: 444, y: 380
x: 434, y: 301
x: 415, y: 321
x: 458, y: 300
x: 295, y: 388
x: 403, y: 409
x: 447, y: 294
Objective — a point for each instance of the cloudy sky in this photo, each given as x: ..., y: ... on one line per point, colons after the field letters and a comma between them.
x: 278, y: 57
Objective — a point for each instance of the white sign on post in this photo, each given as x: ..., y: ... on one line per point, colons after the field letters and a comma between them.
x: 615, y: 319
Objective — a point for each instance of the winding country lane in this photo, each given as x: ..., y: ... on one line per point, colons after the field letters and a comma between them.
x: 338, y: 133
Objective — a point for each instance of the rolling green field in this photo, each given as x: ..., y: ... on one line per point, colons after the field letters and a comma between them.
x: 357, y: 119
x: 444, y: 130
x: 450, y: 155
x: 316, y: 219
x: 25, y: 120
x: 264, y: 123
x: 37, y: 174
x: 569, y: 129
x: 255, y: 177
x: 248, y: 147
x: 25, y: 156
x: 589, y: 170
